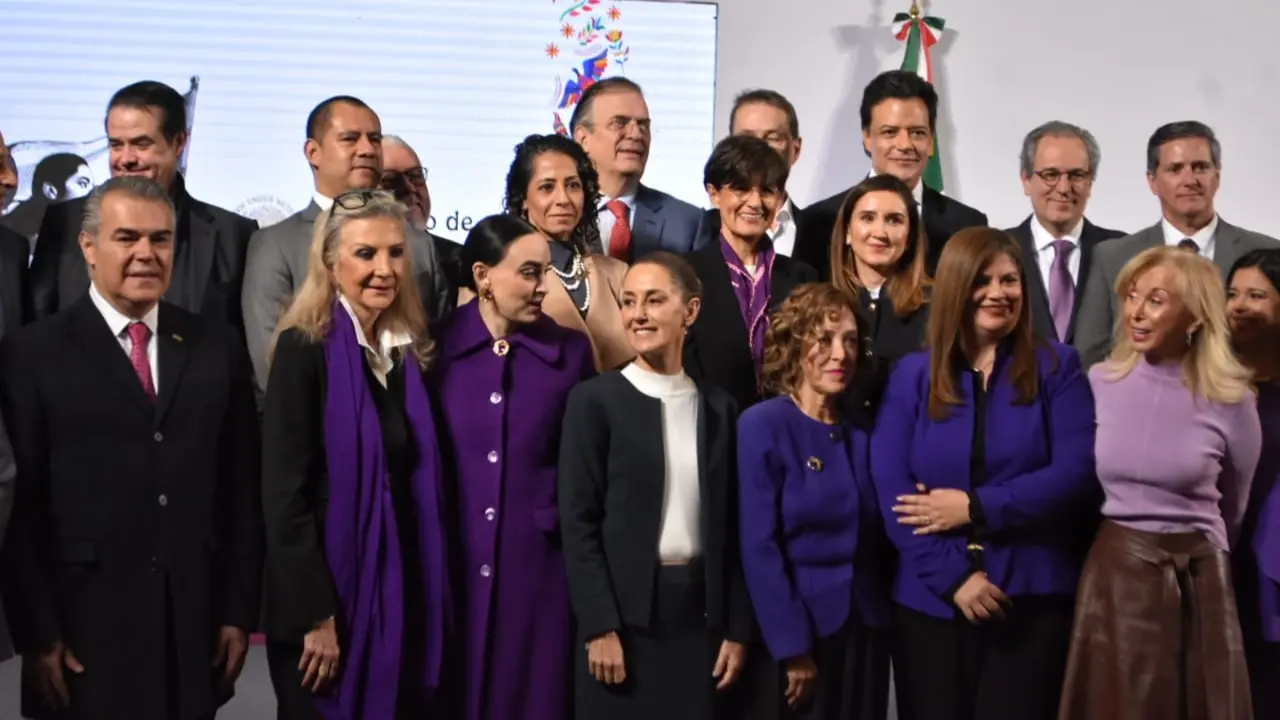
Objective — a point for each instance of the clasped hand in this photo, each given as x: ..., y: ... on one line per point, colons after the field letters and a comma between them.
x: 933, y: 511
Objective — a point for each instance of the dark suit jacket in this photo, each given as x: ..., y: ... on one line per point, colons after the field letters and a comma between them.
x: 661, y: 222
x: 449, y: 253
x: 1038, y: 285
x: 717, y: 349
x: 129, y: 511
x: 611, y: 497
x: 218, y: 239
x: 15, y: 309
x: 943, y: 217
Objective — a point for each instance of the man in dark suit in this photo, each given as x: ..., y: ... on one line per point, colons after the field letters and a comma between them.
x: 768, y: 115
x: 899, y: 117
x: 1184, y: 169
x: 134, y: 562
x: 1059, y: 165
x: 404, y: 175
x: 147, y: 131
x: 611, y: 123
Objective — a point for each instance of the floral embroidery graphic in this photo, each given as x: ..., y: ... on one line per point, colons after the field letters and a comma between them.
x: 593, y: 43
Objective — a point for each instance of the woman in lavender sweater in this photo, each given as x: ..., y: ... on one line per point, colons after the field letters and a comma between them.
x: 1156, y: 631
x: 1253, y: 305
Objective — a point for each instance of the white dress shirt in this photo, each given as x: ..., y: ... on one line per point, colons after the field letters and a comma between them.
x: 1042, y: 240
x: 1204, y: 238
x: 606, y: 219
x: 783, y: 233
x: 119, y: 323
x: 382, y: 358
x: 324, y: 202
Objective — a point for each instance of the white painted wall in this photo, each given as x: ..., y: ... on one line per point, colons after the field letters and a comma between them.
x: 1117, y: 67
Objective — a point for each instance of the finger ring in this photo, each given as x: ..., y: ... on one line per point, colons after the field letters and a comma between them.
x: 323, y: 671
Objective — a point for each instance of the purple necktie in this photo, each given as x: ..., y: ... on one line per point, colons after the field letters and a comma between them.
x: 1062, y: 291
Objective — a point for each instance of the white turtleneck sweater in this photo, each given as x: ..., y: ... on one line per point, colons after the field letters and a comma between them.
x: 681, y: 536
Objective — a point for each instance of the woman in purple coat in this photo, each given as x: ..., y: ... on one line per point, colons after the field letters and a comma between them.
x: 504, y: 374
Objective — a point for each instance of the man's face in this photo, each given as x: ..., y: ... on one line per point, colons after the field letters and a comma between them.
x: 8, y: 176
x: 1186, y: 180
x: 403, y: 175
x: 899, y: 139
x: 129, y: 259
x: 139, y: 148
x: 618, y: 140
x: 770, y: 125
x: 349, y: 152
x: 1060, y: 183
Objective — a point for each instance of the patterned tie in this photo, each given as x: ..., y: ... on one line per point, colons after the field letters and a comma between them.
x: 139, y: 334
x: 1062, y: 291
x: 620, y: 236
x: 1189, y: 245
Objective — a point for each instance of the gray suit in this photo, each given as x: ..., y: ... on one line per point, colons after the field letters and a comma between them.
x: 1096, y: 321
x: 277, y: 265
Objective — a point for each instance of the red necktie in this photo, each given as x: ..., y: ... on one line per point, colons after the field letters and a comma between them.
x: 620, y: 236
x: 139, y: 334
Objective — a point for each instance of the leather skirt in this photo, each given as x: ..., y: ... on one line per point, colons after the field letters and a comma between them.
x: 1156, y: 635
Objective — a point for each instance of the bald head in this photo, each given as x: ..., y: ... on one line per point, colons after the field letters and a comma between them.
x: 403, y: 175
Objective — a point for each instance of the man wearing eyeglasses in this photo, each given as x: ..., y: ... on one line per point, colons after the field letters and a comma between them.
x: 1059, y: 165
x: 404, y: 176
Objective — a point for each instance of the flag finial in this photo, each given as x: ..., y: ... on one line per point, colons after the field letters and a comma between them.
x: 915, y: 10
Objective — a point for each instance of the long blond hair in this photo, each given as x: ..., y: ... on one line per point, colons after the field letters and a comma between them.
x: 311, y: 310
x: 1209, y: 368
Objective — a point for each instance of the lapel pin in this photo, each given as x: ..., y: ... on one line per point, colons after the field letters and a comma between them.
x: 501, y: 348
x: 815, y: 464
x: 177, y: 337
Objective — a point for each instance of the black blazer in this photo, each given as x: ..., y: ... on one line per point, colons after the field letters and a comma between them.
x: 129, y: 511
x: 15, y: 309
x: 450, y: 255
x: 1038, y: 285
x: 943, y: 217
x: 718, y: 349
x: 219, y: 240
x: 611, y: 494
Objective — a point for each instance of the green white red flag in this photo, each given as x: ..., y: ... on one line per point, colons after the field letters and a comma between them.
x: 921, y: 33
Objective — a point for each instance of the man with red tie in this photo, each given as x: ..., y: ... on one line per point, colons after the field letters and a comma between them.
x: 611, y: 123
x: 134, y: 559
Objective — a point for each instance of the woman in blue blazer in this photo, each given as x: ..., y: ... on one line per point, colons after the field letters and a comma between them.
x: 983, y: 463
x: 813, y: 545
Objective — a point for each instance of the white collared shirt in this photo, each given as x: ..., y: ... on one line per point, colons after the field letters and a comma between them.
x: 1042, y: 240
x: 381, y: 359
x: 324, y: 202
x: 783, y: 233
x: 607, y: 220
x: 119, y: 324
x: 1204, y: 238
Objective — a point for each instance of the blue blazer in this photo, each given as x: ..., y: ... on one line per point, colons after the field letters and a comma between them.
x: 813, y: 542
x: 1038, y: 479
x: 662, y: 222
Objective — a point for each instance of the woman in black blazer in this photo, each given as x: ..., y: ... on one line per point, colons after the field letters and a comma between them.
x: 743, y: 278
x: 648, y: 516
x: 356, y: 580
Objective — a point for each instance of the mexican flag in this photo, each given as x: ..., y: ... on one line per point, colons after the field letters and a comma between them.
x: 921, y: 33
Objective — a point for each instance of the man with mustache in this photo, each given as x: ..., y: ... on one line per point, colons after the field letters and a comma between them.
x: 899, y: 116
x: 405, y: 177
x: 1184, y: 169
x: 1059, y: 165
x: 611, y: 123
x: 146, y: 128
x: 344, y: 149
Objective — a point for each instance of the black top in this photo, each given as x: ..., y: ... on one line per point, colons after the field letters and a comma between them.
x: 15, y: 307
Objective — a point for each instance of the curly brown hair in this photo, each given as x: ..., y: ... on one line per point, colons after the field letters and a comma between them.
x: 795, y: 326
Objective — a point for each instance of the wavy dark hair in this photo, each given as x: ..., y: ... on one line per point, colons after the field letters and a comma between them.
x: 586, y: 236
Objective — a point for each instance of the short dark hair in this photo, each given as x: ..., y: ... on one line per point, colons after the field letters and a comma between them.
x: 318, y: 119
x: 56, y: 169
x: 487, y: 243
x: 773, y: 99
x: 587, y: 234
x: 743, y: 162
x: 1266, y: 260
x: 150, y: 95
x: 1181, y: 130
x: 681, y: 271
x: 582, y: 113
x: 898, y: 85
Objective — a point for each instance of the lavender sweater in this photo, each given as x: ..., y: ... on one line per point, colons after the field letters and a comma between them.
x: 1170, y: 462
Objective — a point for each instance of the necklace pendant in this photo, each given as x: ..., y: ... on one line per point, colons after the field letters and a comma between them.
x: 501, y: 348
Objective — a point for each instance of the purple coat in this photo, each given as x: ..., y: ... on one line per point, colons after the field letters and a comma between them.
x: 500, y: 426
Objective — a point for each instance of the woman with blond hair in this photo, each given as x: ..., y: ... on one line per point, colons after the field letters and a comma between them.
x: 357, y: 589
x: 1156, y: 630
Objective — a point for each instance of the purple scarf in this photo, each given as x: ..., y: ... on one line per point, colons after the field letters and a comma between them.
x: 362, y: 544
x: 753, y: 293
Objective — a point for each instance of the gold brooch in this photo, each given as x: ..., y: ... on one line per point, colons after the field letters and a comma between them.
x: 501, y: 348
x: 815, y: 464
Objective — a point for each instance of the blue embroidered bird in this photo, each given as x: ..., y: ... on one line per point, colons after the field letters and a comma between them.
x: 592, y: 70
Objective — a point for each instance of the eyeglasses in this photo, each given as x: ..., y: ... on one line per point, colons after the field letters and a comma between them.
x: 416, y: 176
x: 1051, y: 176
x: 352, y: 200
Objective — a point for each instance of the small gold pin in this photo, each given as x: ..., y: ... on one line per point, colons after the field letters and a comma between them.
x: 815, y: 464
x: 501, y: 348
x: 177, y: 337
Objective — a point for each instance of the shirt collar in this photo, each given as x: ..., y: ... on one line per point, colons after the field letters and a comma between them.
x: 1203, y: 238
x: 118, y: 321
x: 785, y: 215
x: 1044, y: 239
x: 463, y: 332
x: 324, y: 202
x: 388, y: 340
x: 628, y: 200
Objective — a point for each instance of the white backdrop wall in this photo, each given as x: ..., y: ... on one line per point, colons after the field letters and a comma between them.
x: 1120, y: 68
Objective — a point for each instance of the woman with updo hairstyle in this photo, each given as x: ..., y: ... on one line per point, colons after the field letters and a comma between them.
x: 503, y: 378
x: 817, y: 562
x: 648, y: 508
x: 1156, y: 631
x: 553, y: 186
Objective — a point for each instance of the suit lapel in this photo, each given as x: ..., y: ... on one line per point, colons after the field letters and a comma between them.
x: 1226, y: 241
x: 1089, y: 239
x: 646, y: 226
x: 720, y: 304
x: 202, y: 241
x: 782, y: 280
x: 171, y: 353
x: 706, y: 492
x: 1037, y: 283
x: 90, y: 333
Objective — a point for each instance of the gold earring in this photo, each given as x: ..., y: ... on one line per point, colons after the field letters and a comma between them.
x: 486, y: 294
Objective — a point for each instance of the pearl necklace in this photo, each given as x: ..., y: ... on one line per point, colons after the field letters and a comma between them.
x: 577, y: 276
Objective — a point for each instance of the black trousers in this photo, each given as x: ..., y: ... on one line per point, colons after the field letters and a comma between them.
x: 1009, y: 669
x: 293, y: 702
